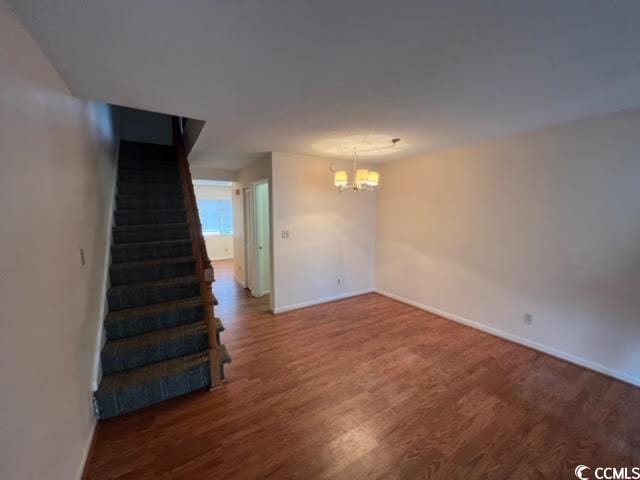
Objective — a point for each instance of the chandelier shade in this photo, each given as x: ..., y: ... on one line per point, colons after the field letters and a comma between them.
x: 362, y: 175
x: 373, y: 178
x: 340, y: 179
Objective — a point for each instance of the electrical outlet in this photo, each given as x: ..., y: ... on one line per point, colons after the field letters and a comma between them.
x: 528, y: 319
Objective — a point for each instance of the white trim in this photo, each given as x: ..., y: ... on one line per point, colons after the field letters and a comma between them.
x: 105, y: 276
x: 217, y: 259
x: 583, y: 362
x: 87, y: 449
x: 213, y: 183
x: 318, y: 301
x: 240, y: 282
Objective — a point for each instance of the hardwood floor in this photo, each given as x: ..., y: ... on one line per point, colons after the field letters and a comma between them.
x: 371, y: 388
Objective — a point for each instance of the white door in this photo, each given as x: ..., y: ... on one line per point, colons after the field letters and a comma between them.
x: 249, y: 241
x: 262, y: 237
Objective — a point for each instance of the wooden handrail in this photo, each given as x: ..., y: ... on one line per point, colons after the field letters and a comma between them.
x: 204, y: 270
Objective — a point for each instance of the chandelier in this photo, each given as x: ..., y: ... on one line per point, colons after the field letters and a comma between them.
x: 362, y: 179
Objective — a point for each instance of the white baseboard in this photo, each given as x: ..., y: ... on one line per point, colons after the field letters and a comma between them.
x: 87, y: 449
x: 221, y: 258
x: 318, y: 301
x: 583, y: 362
x: 240, y: 282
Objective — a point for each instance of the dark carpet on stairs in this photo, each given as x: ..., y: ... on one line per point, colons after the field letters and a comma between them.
x: 156, y: 339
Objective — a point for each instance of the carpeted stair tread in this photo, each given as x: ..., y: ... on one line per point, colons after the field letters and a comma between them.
x: 153, y: 309
x: 150, y: 226
x: 134, y: 188
x: 138, y: 251
x: 148, y: 373
x: 134, y: 389
x: 153, y: 187
x: 156, y: 283
x: 162, y: 183
x: 123, y: 345
x: 133, y: 352
x: 157, y: 261
x: 167, y: 183
x: 127, y: 273
x: 150, y: 216
x: 155, y: 232
x: 151, y: 195
x: 158, y: 243
x: 145, y: 201
x: 153, y: 317
x: 151, y: 211
x: 130, y: 295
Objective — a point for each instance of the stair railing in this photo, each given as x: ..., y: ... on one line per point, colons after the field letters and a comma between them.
x: 204, y: 269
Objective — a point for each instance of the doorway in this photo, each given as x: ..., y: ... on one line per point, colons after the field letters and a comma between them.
x: 258, y: 238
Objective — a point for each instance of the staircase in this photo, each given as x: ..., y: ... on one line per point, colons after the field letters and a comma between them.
x: 162, y: 339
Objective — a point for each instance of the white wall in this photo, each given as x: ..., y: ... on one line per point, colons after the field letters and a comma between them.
x: 57, y: 171
x: 219, y: 247
x: 207, y: 173
x: 545, y: 223
x: 331, y: 235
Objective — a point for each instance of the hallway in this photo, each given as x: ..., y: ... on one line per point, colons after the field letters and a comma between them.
x: 235, y: 302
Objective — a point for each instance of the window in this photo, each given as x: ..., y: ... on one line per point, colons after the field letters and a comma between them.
x: 216, y: 216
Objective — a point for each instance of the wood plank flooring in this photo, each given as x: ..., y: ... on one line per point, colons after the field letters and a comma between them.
x: 371, y: 388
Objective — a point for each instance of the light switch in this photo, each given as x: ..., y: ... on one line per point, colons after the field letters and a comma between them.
x: 284, y: 233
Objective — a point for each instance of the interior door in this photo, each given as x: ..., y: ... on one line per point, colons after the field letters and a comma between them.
x: 249, y: 240
x: 263, y: 237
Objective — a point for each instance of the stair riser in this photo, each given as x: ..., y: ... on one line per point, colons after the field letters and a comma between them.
x: 145, y: 252
x: 140, y: 396
x: 130, y: 188
x: 157, y: 202
x: 134, y: 217
x: 121, y: 276
x: 150, y: 234
x: 153, y: 354
x: 140, y: 176
x: 139, y: 297
x: 153, y: 322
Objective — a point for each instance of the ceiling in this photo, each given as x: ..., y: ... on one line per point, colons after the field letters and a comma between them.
x: 284, y: 75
